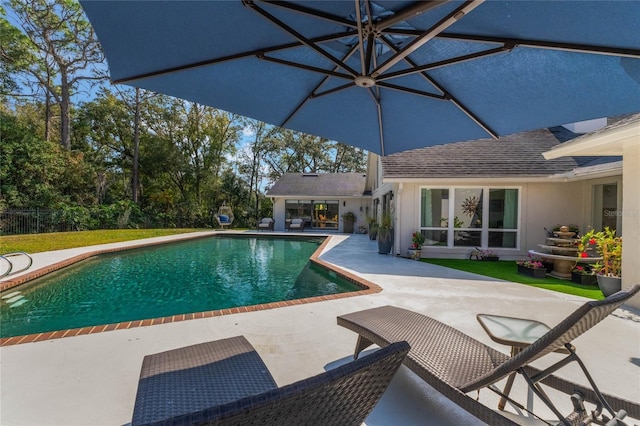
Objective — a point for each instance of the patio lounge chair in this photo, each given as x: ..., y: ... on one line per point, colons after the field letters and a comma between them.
x: 266, y: 224
x: 455, y: 363
x: 296, y: 225
x: 225, y: 382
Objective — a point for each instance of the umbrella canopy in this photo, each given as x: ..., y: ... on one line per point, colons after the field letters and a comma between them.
x: 383, y: 75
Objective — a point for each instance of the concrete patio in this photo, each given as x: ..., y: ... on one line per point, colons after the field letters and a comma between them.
x: 92, y: 379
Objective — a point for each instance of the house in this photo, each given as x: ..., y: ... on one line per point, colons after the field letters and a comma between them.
x: 501, y: 194
x: 321, y: 199
x: 496, y: 194
x: 620, y: 138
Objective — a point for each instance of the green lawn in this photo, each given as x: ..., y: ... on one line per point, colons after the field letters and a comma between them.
x: 35, y: 243
x: 507, y: 270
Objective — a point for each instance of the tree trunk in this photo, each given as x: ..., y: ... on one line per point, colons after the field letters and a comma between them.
x: 47, y: 113
x: 136, y: 148
x: 65, y: 113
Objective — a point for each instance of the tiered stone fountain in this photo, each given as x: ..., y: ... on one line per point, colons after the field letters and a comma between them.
x: 562, y: 250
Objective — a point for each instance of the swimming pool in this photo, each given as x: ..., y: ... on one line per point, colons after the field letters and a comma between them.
x: 192, y: 276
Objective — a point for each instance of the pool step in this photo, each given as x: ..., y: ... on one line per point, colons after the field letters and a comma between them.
x: 11, y: 294
x: 14, y: 299
x: 18, y: 303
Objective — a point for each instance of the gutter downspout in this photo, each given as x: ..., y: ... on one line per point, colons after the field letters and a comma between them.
x: 398, y: 203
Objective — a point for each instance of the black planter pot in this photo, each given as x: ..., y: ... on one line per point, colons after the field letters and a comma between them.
x: 584, y: 279
x: 490, y: 258
x: 548, y: 266
x: 532, y: 272
x: 385, y: 240
x: 373, y: 231
x: 609, y: 285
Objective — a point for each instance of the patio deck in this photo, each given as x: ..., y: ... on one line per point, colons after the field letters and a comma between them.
x: 91, y: 379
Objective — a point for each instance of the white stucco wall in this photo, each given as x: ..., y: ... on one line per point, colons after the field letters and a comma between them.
x: 631, y: 219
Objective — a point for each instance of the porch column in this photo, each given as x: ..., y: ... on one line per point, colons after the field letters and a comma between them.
x: 631, y: 219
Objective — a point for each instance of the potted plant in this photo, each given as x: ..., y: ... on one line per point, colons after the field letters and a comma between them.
x: 609, y: 247
x: 348, y: 220
x: 373, y: 227
x: 385, y: 234
x: 531, y: 266
x: 417, y: 239
x: 583, y: 275
x: 488, y: 255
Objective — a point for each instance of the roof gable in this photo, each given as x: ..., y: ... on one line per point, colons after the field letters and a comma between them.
x: 337, y: 185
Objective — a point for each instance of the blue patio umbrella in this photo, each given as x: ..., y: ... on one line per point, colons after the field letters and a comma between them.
x: 383, y: 75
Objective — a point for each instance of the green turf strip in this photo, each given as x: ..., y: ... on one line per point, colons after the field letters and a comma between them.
x: 507, y: 270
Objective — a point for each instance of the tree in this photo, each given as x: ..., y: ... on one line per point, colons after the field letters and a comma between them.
x: 250, y: 164
x: 286, y: 151
x: 36, y: 173
x: 16, y: 55
x: 67, y: 50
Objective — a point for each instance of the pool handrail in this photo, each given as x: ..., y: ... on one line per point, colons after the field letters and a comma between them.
x: 10, y: 271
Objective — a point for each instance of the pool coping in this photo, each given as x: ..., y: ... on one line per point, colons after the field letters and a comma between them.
x: 367, y: 288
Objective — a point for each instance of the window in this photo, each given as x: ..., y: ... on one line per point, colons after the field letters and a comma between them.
x: 605, y: 206
x: 434, y: 216
x: 325, y: 214
x: 298, y: 209
x: 316, y: 213
x: 466, y: 217
x: 503, y: 218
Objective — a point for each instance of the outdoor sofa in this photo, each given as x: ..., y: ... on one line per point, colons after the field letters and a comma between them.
x: 455, y: 364
x: 225, y: 382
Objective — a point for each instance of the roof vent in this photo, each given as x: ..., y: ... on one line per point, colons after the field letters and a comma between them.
x: 310, y: 174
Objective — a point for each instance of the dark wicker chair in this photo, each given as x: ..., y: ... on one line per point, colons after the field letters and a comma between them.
x: 225, y: 382
x: 266, y: 224
x: 296, y: 225
x: 455, y: 363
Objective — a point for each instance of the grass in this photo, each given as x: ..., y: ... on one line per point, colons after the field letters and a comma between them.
x: 507, y: 270
x: 36, y: 243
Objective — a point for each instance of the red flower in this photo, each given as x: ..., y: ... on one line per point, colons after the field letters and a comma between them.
x: 584, y: 254
x: 592, y: 241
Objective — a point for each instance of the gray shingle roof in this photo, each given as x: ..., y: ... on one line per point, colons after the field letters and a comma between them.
x: 319, y: 185
x: 516, y: 155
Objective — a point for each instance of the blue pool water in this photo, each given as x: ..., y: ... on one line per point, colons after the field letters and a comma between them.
x: 192, y: 276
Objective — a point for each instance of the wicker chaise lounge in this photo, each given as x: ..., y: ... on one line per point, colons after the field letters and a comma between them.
x: 455, y: 363
x: 225, y: 382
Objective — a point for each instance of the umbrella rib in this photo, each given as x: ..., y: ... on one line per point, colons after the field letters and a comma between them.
x: 330, y: 91
x: 446, y: 94
x: 571, y: 47
x: 423, y: 38
x: 313, y: 93
x: 311, y: 12
x: 412, y: 91
x: 380, y: 127
x: 307, y: 42
x: 306, y: 67
x: 446, y: 62
x: 370, y: 38
x: 409, y: 12
x: 360, y: 38
x: 242, y: 55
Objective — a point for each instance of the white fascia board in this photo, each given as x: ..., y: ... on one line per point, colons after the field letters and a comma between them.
x: 608, y: 142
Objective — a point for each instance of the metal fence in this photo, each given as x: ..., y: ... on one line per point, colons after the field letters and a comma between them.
x: 33, y: 221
